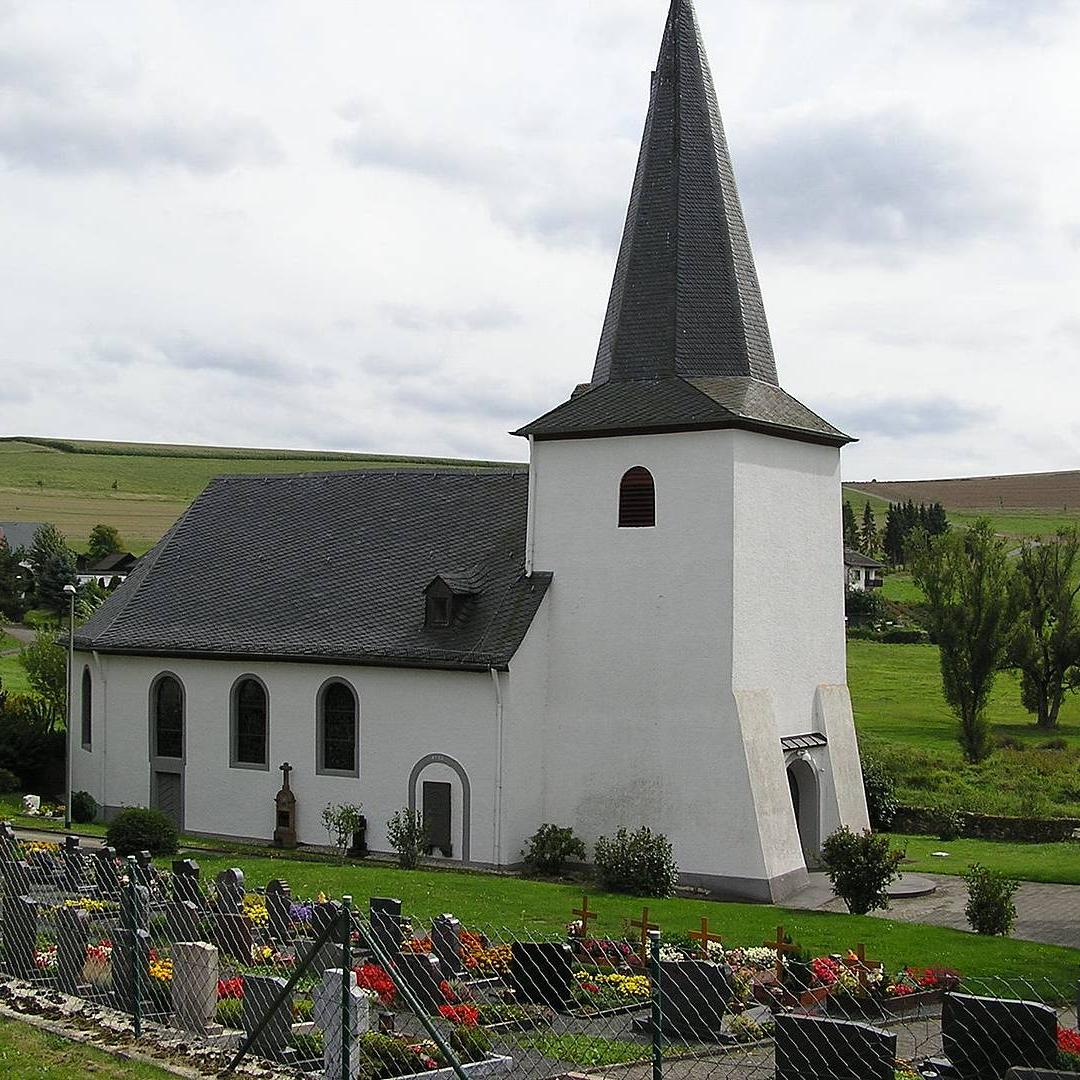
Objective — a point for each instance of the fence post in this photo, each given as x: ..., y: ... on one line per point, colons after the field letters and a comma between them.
x: 657, y: 1006
x: 346, y: 986
x: 135, y: 946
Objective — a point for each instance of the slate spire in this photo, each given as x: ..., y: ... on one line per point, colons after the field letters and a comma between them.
x: 685, y: 300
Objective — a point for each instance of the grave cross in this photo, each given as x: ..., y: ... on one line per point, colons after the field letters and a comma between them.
x: 857, y: 962
x: 703, y: 937
x: 781, y: 945
x: 644, y: 926
x: 584, y: 914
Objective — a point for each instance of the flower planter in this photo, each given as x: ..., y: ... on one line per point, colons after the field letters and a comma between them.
x: 810, y: 999
x: 493, y: 1066
x: 906, y: 1004
x: 846, y: 1007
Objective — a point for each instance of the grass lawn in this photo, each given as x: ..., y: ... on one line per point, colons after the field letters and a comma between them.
x: 1058, y: 862
x: 27, y: 1053
x: 900, y: 589
x: 13, y: 675
x: 515, y: 905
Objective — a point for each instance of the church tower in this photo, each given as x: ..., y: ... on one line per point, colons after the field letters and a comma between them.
x: 689, y: 511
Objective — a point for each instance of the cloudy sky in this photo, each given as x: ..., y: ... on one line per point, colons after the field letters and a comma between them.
x: 392, y: 227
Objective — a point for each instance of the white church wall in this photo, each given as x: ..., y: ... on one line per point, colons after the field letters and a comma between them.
x: 405, y: 716
x: 642, y: 726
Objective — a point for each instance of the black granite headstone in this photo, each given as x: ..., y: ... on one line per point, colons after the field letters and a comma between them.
x: 816, y: 1048
x: 983, y: 1036
x: 541, y: 972
x: 106, y: 872
x: 446, y: 943
x: 72, y: 937
x: 185, y: 882
x: 130, y: 964
x: 693, y: 997
x: 20, y: 934
x: 386, y: 923
x: 422, y: 973
x: 275, y: 1040
x: 278, y: 905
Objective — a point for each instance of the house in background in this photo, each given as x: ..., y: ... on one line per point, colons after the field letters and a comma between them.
x: 112, y: 570
x: 861, y: 572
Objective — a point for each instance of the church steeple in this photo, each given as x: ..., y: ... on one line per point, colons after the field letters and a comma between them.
x: 685, y: 300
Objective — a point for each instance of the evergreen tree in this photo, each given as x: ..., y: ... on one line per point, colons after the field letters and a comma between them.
x: 53, y: 566
x: 104, y: 540
x: 971, y: 615
x: 869, y: 531
x: 851, y: 528
x: 1046, y: 645
x: 936, y: 521
x: 13, y: 583
x: 893, y: 539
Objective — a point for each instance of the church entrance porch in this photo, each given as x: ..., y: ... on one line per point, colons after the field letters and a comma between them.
x: 806, y: 802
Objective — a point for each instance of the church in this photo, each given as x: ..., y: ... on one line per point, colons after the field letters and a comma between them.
x: 644, y: 627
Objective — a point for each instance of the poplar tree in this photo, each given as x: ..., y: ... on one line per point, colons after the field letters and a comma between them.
x: 851, y: 528
x: 869, y: 531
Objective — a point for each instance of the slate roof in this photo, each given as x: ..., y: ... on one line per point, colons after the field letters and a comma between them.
x: 19, y: 534
x: 857, y: 558
x: 332, y: 567
x: 685, y: 342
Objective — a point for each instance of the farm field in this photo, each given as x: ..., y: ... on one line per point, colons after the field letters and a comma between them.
x: 1053, y: 491
x: 901, y: 717
x: 142, y: 489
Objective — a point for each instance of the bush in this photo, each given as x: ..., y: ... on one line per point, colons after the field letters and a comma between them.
x: 9, y: 782
x: 949, y: 824
x: 880, y: 787
x: 551, y: 848
x: 863, y: 602
x: 30, y: 743
x: 990, y: 908
x: 470, y: 1044
x: 640, y: 863
x: 229, y: 1012
x: 905, y: 637
x: 860, y: 866
x: 383, y: 1056
x: 341, y: 823
x: 138, y: 829
x: 408, y: 836
x: 1054, y: 744
x: 84, y: 808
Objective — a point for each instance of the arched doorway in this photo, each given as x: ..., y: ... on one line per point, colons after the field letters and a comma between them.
x: 447, y: 812
x: 806, y: 802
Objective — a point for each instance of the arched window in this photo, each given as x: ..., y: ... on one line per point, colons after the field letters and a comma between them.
x: 336, y: 742
x: 87, y: 706
x: 249, y: 712
x: 637, y: 500
x: 168, y: 717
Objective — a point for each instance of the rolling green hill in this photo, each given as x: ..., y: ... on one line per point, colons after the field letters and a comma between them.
x: 142, y: 488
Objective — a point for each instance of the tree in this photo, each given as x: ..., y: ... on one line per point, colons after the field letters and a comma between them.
x: 936, y: 521
x: 13, y: 583
x: 861, y: 867
x: 851, y: 528
x: 965, y: 576
x: 53, y: 565
x: 104, y: 540
x: 45, y: 662
x: 893, y: 540
x: 869, y: 531
x: 1045, y: 647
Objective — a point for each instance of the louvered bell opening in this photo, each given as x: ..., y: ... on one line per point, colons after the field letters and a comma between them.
x: 637, y: 500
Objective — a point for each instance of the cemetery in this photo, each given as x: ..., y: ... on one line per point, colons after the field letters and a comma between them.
x: 259, y: 974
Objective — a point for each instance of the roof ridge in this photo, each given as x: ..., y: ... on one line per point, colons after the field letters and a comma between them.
x: 512, y: 469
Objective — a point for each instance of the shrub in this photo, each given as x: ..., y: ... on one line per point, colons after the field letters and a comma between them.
x: 340, y: 823
x: 138, y: 829
x: 551, y: 848
x: 1008, y: 742
x: 639, y: 862
x: 470, y: 1043
x: 880, y: 787
x: 84, y: 808
x: 949, y: 824
x: 383, y: 1056
x: 990, y: 908
x: 899, y: 636
x: 860, y: 866
x: 229, y: 1012
x: 863, y: 602
x: 408, y: 836
x: 9, y: 782
x: 1054, y: 744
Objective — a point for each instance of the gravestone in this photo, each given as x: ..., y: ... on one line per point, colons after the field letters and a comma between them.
x: 328, y: 1019
x: 20, y: 934
x: 106, y: 873
x: 135, y: 908
x: 1039, y: 1074
x: 76, y: 876
x: 275, y: 1040
x: 694, y: 995
x: 183, y: 921
x: 8, y: 842
x: 326, y: 916
x: 16, y: 875
x: 185, y: 882
x: 230, y: 890
x: 386, y: 924
x: 72, y: 937
x: 278, y: 907
x: 540, y: 972
x: 816, y: 1048
x: 130, y: 963
x: 421, y: 973
x: 982, y: 1036
x: 145, y: 871
x: 194, y: 985
x: 232, y: 934
x: 446, y: 943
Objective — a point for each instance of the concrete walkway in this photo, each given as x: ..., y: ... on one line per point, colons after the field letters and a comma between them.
x: 24, y: 635
x: 1046, y: 913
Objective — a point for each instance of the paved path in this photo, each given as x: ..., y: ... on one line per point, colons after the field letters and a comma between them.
x: 1046, y: 913
x: 21, y: 634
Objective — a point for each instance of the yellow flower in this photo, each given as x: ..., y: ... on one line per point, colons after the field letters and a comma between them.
x: 254, y: 910
x: 161, y: 970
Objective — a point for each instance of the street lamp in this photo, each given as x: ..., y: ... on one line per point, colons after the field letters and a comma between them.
x: 71, y: 591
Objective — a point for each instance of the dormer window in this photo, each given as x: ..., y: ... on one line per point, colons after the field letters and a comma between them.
x: 637, y: 500
x: 438, y: 610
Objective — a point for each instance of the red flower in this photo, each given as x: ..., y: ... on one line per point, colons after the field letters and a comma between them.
x: 466, y: 1015
x: 448, y: 992
x: 372, y: 977
x: 230, y: 988
x: 825, y: 969
x: 591, y: 987
x: 1068, y: 1040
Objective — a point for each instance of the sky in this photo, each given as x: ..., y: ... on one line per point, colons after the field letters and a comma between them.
x: 392, y: 227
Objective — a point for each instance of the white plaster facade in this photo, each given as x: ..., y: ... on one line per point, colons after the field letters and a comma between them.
x: 653, y: 687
